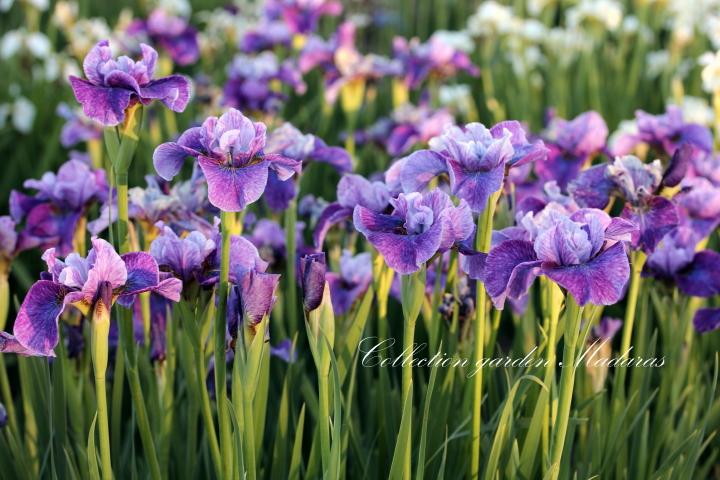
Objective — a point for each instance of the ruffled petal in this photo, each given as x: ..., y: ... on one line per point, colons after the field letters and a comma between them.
x: 420, y: 168
x: 510, y: 269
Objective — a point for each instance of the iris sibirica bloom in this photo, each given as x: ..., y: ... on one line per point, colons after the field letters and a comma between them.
x: 172, y: 33
x: 78, y: 128
x: 582, y: 252
x: 302, y: 16
x: 571, y: 144
x: 231, y: 152
x: 113, y: 85
x: 82, y: 282
x: 474, y: 158
x: 53, y: 215
x: 350, y: 282
x: 637, y: 183
x: 184, y: 257
x: 255, y: 83
x: 419, y: 226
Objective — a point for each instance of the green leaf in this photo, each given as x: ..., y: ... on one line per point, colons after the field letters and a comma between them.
x: 92, y: 452
x: 396, y: 469
x: 296, y: 458
x: 420, y: 470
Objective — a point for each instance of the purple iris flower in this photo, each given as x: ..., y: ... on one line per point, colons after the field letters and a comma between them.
x: 474, y: 158
x: 8, y: 242
x: 269, y: 238
x: 284, y: 351
x: 352, y: 190
x: 409, y: 126
x: 52, y: 215
x: 436, y: 58
x: 673, y: 253
x: 254, y: 83
x: 419, y: 226
x: 185, y: 257
x: 699, y: 206
x: 252, y: 297
x: 637, y: 183
x: 665, y: 133
x: 606, y: 329
x: 351, y: 282
x: 172, y: 33
x: 312, y: 279
x: 231, y: 153
x: 81, y: 282
x: 707, y: 319
x: 114, y: 85
x: 582, y: 253
x: 78, y: 128
x: 302, y: 16
x: 266, y: 36
x: 289, y: 142
x: 571, y: 144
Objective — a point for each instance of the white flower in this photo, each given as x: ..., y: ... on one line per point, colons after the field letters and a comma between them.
x: 39, y: 45
x: 711, y: 72
x: 23, y: 115
x: 455, y: 97
x: 65, y: 13
x: 181, y: 8
x: 458, y: 40
x: 657, y: 62
x: 10, y: 44
x: 607, y: 13
x: 491, y: 18
x: 696, y: 110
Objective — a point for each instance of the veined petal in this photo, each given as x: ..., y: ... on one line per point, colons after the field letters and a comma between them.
x: 510, y: 269
x: 232, y: 189
x: 601, y: 281
x: 36, y: 326
x: 142, y: 272
x: 419, y: 168
x: 173, y: 91
x: 702, y: 277
x: 104, y: 104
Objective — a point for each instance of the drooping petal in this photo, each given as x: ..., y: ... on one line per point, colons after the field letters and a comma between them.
x: 591, y: 188
x: 475, y: 187
x: 104, y: 104
x: 601, y: 281
x: 36, y: 326
x: 654, y: 219
x: 702, y: 277
x: 168, y: 158
x: 232, y: 189
x: 142, y: 272
x: 279, y: 193
x: 707, y: 319
x: 333, y: 214
x: 420, y: 168
x: 678, y: 166
x: 173, y: 91
x: 510, y: 269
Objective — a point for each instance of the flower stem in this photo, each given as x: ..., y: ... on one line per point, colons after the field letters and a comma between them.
x: 482, y: 243
x: 573, y: 314
x: 100, y: 331
x: 291, y: 305
x: 227, y: 220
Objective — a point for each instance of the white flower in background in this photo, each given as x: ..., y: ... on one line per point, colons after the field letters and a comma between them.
x: 16, y: 41
x: 21, y: 114
x: 686, y: 17
x: 65, y: 14
x: 223, y: 27
x: 456, y: 97
x: 657, y: 62
x: 458, y: 40
x: 532, y: 30
x: 696, y: 110
x: 712, y: 30
x: 181, y: 8
x: 711, y: 71
x: 607, y: 13
x: 491, y: 18
x: 567, y: 44
x: 85, y: 33
x: 535, y: 7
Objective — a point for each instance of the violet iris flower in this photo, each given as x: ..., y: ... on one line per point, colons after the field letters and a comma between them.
x: 699, y: 206
x: 582, y: 253
x: 78, y: 128
x: 174, y: 34
x: 312, y: 279
x: 474, y: 158
x: 352, y: 190
x: 571, y: 144
x: 665, y: 133
x: 436, y: 58
x: 289, y: 142
x: 255, y: 82
x: 8, y: 243
x: 351, y: 282
x: 52, y: 215
x: 231, y: 153
x: 419, y: 226
x: 81, y: 282
x: 266, y: 36
x: 409, y: 126
x: 636, y: 183
x: 113, y: 85
x: 252, y: 297
x: 302, y: 16
x: 185, y: 257
x: 269, y: 238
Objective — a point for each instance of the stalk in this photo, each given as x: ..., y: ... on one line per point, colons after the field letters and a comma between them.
x: 482, y: 243
x: 99, y: 344
x: 290, y: 286
x: 573, y: 314
x: 227, y: 220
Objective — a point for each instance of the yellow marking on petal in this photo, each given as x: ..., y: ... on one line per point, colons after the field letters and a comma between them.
x: 400, y: 92
x: 131, y: 124
x: 298, y: 41
x: 351, y: 95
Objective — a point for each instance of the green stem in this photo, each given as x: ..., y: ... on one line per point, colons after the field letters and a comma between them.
x: 99, y: 342
x: 207, y: 411
x: 573, y: 314
x: 290, y: 287
x: 227, y: 220
x: 408, y: 340
x: 324, y: 416
x: 482, y: 243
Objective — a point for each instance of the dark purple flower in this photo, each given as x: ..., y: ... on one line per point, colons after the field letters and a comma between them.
x: 699, y: 206
x: 606, y: 328
x: 582, y: 252
x: 78, y: 128
x: 113, y: 85
x: 419, y: 226
x: 184, y: 257
x: 312, y: 279
x: 409, y: 126
x: 302, y: 16
x: 284, y: 351
x: 351, y: 282
x: 571, y: 144
x: 701, y: 277
x: 51, y: 216
x: 174, y: 34
x: 707, y: 319
x: 436, y: 58
x: 81, y: 282
x: 352, y: 190
x: 266, y: 36
x: 255, y: 82
x: 251, y: 299
x: 673, y: 253
x: 231, y: 153
x: 665, y: 133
